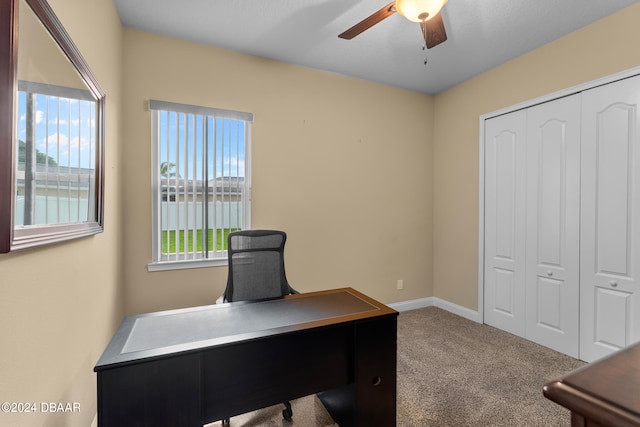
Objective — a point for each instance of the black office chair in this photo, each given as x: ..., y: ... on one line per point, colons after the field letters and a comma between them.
x: 256, y: 272
x: 256, y: 266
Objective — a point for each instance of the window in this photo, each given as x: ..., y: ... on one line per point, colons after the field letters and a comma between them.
x: 201, y: 183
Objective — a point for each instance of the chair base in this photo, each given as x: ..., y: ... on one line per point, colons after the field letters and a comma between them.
x: 287, y: 412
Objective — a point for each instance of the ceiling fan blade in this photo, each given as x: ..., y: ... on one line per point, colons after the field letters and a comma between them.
x: 369, y: 22
x: 433, y: 31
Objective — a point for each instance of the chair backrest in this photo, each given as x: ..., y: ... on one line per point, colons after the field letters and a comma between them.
x: 256, y: 265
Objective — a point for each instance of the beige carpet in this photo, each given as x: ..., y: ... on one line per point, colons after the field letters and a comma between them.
x: 307, y: 412
x: 454, y: 372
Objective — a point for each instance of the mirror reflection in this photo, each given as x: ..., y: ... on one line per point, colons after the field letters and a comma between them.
x: 55, y: 130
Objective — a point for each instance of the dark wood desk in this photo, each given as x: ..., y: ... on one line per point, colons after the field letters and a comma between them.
x: 604, y: 393
x: 194, y: 366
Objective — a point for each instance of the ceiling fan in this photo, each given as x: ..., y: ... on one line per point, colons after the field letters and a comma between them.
x: 425, y: 12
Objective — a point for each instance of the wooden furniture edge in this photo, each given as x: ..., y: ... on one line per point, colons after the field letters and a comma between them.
x: 587, y: 405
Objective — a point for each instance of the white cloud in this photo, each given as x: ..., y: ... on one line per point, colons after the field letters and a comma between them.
x: 53, y: 142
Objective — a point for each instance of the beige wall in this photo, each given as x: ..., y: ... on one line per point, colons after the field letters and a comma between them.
x: 605, y: 47
x: 342, y: 165
x: 59, y: 304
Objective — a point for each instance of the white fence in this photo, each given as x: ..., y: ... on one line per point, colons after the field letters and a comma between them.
x: 175, y: 215
x: 54, y: 210
x: 189, y: 215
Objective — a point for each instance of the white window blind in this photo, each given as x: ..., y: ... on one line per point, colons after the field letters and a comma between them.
x: 201, y: 182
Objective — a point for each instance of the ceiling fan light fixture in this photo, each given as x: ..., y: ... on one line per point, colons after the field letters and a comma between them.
x: 419, y: 10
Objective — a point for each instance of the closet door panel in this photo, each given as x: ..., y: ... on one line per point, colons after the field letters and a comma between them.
x: 552, y: 224
x: 610, y: 219
x: 612, y: 312
x: 504, y: 222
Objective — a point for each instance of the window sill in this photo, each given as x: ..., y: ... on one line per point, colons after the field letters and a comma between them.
x: 182, y: 265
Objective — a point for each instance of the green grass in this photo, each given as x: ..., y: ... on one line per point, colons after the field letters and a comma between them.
x: 169, y: 240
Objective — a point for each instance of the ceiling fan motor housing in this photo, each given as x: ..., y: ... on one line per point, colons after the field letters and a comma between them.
x: 419, y: 10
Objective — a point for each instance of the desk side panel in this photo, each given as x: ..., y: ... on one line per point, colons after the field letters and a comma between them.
x: 163, y: 392
x: 370, y: 400
x: 375, y: 372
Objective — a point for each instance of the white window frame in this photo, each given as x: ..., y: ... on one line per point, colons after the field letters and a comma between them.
x: 192, y: 259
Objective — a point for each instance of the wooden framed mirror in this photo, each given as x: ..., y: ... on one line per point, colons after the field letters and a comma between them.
x: 51, y: 132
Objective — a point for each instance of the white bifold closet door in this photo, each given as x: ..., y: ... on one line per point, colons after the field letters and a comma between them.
x: 562, y: 221
x: 610, y: 219
x: 532, y: 223
x: 505, y: 197
x: 553, y: 225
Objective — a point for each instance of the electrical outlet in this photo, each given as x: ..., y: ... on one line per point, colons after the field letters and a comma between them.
x: 400, y: 284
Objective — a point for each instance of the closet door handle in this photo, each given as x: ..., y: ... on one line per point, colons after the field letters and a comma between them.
x: 549, y: 273
x: 613, y: 283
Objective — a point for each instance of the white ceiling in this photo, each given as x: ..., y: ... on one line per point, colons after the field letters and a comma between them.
x: 481, y: 33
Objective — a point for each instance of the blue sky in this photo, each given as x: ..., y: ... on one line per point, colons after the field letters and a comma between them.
x: 65, y: 129
x: 184, y: 138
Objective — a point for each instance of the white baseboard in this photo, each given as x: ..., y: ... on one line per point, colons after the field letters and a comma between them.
x: 440, y: 303
x: 458, y: 309
x: 413, y: 304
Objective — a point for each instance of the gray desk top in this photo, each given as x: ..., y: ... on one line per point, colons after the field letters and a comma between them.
x: 168, y: 332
